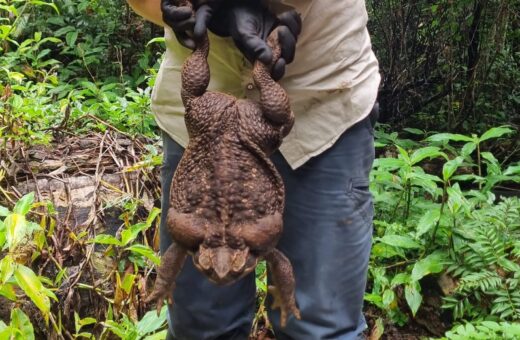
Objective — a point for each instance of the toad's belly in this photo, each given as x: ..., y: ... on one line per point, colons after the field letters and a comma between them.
x: 225, y: 180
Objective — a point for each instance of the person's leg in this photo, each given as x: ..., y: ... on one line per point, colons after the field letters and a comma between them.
x: 327, y: 237
x: 201, y: 309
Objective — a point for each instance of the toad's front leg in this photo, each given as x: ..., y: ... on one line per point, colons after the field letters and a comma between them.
x: 273, y: 98
x: 283, y: 290
x: 195, y: 70
x: 171, y: 264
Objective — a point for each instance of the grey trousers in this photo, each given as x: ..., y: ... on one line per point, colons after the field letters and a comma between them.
x: 327, y: 237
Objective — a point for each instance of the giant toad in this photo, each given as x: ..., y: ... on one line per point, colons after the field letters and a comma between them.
x: 227, y: 198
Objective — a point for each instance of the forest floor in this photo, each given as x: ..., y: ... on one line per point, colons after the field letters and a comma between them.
x: 84, y: 175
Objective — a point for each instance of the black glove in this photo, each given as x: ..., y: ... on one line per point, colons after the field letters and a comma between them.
x: 246, y: 21
x: 184, y: 23
x: 249, y: 23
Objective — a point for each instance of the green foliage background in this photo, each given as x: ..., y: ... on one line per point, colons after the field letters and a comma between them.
x: 449, y: 96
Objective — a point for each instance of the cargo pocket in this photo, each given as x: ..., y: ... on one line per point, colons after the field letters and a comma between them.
x: 358, y: 191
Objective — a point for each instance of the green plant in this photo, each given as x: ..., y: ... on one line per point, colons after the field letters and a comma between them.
x: 484, y: 330
x: 118, y: 246
x: 423, y: 222
x: 16, y: 238
x: 126, y: 329
x: 486, y: 263
x: 51, y: 75
x: 20, y: 327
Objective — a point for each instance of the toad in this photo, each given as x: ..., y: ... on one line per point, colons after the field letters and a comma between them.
x: 227, y: 198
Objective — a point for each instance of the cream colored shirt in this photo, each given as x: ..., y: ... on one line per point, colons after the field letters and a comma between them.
x: 332, y: 83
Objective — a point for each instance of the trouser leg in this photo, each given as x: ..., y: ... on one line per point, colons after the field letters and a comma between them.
x: 201, y: 309
x: 327, y: 237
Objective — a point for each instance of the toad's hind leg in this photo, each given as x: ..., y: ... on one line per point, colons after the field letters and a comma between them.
x: 283, y: 290
x: 171, y: 264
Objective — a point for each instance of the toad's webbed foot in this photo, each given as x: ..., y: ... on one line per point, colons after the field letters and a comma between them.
x: 283, y: 290
x: 171, y: 264
x: 286, y: 308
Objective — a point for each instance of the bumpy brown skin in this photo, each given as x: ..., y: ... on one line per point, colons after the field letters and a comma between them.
x: 227, y: 197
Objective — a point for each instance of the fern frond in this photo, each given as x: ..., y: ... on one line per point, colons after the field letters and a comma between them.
x: 484, y: 281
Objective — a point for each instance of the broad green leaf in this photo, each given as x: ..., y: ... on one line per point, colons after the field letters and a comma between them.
x: 427, y: 222
x: 16, y: 229
x: 152, y: 216
x: 90, y: 86
x: 468, y: 149
x: 429, y: 186
x: 412, y: 293
x: 495, y: 133
x: 64, y: 30
x: 468, y: 177
x: 129, y: 234
x: 23, y: 206
x: 151, y: 321
x: 145, y: 251
x: 33, y: 288
x: 513, y: 170
x: 431, y: 264
x: 450, y: 167
x: 491, y: 325
x: 425, y: 177
x: 427, y: 152
x: 384, y: 251
x: 8, y: 291
x: 43, y: 53
x: 374, y: 298
x: 3, y: 235
x: 71, y: 37
x: 489, y: 157
x: 128, y: 282
x: 4, y: 211
x: 400, y: 279
x: 106, y: 239
x: 4, y: 31
x: 388, y: 297
x: 442, y: 137
x: 77, y: 326
x: 43, y: 3
x: 389, y: 163
x: 22, y: 324
x: 87, y: 321
x: 404, y: 154
x: 7, y: 266
x: 456, y: 199
x: 11, y: 9
x: 116, y: 329
x: 51, y: 39
x: 414, y: 131
x: 400, y: 241
x: 512, y: 331
x: 493, y: 167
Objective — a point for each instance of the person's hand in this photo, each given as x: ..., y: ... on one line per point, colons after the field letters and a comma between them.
x: 249, y: 23
x: 188, y: 24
